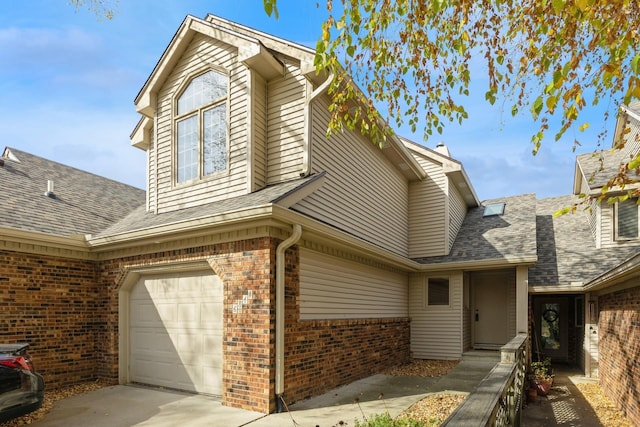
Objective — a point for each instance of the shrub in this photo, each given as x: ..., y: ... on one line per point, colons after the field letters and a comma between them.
x: 385, y: 420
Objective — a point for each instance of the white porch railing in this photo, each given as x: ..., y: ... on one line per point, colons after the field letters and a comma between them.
x: 497, y: 401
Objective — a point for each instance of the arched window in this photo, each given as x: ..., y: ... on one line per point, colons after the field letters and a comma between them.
x: 201, y: 127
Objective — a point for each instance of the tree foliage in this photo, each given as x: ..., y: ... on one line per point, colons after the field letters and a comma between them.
x: 551, y: 57
x: 101, y: 8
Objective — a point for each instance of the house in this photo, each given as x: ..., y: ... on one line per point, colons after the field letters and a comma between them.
x: 266, y: 263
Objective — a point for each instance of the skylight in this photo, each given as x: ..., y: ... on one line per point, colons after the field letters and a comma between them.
x: 494, y: 209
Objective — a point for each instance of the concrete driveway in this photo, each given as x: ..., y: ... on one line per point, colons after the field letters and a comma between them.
x: 120, y: 406
x: 125, y: 406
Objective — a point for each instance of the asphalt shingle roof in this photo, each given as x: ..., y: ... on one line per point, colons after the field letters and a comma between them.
x: 84, y: 203
x: 140, y: 219
x: 566, y: 249
x: 600, y: 166
x: 511, y: 235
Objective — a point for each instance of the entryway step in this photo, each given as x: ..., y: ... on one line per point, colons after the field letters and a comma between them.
x: 481, y: 356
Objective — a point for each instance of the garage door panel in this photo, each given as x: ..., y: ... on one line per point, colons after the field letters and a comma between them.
x: 176, y: 332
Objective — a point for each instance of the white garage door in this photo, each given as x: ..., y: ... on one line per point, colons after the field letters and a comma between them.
x: 176, y: 332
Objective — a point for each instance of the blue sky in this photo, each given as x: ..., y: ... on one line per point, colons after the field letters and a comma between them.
x: 68, y: 80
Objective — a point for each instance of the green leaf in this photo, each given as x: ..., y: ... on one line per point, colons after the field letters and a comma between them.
x: 351, y: 50
x: 558, y: 5
x: 536, y: 108
x: 635, y: 64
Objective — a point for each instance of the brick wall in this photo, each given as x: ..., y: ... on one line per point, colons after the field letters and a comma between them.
x: 324, y: 354
x: 247, y: 338
x: 69, y: 311
x: 54, y: 305
x: 619, y: 349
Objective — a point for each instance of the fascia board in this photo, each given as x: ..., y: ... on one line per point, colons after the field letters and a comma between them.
x: 295, y: 50
x: 621, y: 272
x: 578, y: 178
x: 140, y: 136
x: 450, y: 167
x: 164, y: 231
x: 479, y: 265
x: 145, y: 101
x: 291, y: 198
x: 74, y: 246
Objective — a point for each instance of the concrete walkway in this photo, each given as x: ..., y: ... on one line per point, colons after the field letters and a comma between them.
x: 563, y: 406
x: 121, y: 406
x: 374, y: 395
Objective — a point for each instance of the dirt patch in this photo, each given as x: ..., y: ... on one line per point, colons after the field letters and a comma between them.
x: 607, y: 412
x: 435, y: 408
x: 423, y: 368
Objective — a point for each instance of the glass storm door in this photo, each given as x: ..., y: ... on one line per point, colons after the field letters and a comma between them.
x: 551, y: 318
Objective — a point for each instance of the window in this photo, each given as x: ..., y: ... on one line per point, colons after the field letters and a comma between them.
x: 627, y: 219
x: 438, y: 291
x: 201, y: 127
x: 494, y: 209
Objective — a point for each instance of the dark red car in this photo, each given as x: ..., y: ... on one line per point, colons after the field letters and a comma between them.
x: 21, y: 388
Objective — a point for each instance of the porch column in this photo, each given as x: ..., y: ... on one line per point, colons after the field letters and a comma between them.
x: 522, y: 299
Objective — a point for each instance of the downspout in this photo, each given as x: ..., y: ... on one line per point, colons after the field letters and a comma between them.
x: 280, y: 308
x: 307, y: 123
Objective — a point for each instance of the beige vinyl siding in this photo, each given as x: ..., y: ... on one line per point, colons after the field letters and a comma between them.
x: 335, y: 288
x: 285, y: 124
x: 457, y: 212
x: 607, y: 218
x: 436, y: 332
x: 152, y: 185
x: 511, y: 307
x: 427, y: 212
x: 363, y: 193
x: 202, y: 54
x: 259, y: 128
x: 466, y: 314
x: 632, y: 139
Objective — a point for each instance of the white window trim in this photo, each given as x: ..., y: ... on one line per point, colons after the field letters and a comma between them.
x: 175, y: 118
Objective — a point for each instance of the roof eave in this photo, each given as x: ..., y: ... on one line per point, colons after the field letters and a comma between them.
x: 251, y: 52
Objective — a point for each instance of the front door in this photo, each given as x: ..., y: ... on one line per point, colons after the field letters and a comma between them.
x: 490, y: 296
x: 551, y: 325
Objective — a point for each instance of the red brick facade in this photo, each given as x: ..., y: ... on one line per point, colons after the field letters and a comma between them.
x: 619, y: 349
x: 53, y: 304
x: 69, y: 311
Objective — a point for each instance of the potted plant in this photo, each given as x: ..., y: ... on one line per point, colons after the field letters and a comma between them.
x: 542, y: 376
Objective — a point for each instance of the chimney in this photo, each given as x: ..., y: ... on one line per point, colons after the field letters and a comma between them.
x: 442, y: 149
x: 49, y: 192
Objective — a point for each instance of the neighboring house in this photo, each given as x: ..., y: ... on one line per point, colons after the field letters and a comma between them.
x: 268, y: 261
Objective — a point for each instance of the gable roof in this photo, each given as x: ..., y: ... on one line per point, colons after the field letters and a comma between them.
x: 499, y: 239
x: 451, y: 167
x: 567, y: 254
x: 83, y: 203
x: 251, y: 51
x: 595, y: 169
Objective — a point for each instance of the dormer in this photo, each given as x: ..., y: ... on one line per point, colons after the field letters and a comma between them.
x: 438, y: 203
x: 612, y: 224
x: 222, y: 114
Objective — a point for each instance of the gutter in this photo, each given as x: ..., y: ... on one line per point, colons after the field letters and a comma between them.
x: 280, y: 308
x: 306, y: 169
